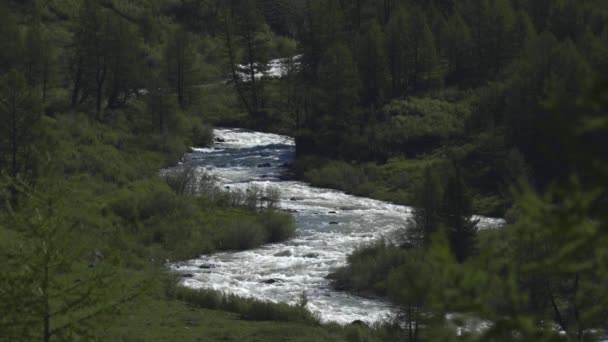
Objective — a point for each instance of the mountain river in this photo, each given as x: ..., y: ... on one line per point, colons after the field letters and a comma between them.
x: 330, y: 225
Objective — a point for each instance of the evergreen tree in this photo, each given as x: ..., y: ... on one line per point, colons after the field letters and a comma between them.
x: 372, y: 66
x: 338, y: 87
x: 457, y: 214
x: 458, y: 48
x: 523, y: 30
x: 421, y: 55
x: 426, y: 214
x: 396, y: 47
x: 51, y: 294
x: 90, y: 55
x: 251, y: 27
x: 19, y: 114
x: 499, y: 37
x: 181, y: 65
x: 11, y: 45
x: 162, y: 107
x: 123, y: 66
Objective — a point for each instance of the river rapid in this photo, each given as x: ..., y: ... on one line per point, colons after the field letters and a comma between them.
x: 329, y: 226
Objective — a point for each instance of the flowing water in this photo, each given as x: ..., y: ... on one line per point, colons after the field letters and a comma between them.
x: 330, y: 225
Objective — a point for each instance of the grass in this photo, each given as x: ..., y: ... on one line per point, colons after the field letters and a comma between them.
x: 157, y: 319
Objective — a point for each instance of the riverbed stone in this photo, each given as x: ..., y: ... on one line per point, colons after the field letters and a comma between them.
x: 272, y: 281
x: 311, y: 255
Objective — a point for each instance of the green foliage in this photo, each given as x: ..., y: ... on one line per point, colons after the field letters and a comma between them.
x: 339, y: 85
x: 372, y: 64
x: 20, y: 114
x: 248, y: 308
x: 426, y: 214
x: 368, y: 269
x: 181, y: 66
x: 457, y: 214
x: 50, y: 287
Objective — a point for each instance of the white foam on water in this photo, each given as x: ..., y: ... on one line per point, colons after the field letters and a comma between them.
x: 330, y: 226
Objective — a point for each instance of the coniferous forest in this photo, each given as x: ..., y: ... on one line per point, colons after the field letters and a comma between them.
x: 459, y: 110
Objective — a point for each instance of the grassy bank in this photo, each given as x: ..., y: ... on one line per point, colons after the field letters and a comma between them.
x: 171, y: 312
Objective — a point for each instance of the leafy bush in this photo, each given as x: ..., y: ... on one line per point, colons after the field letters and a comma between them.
x: 190, y: 181
x: 143, y: 200
x: 368, y: 269
x: 278, y: 226
x: 202, y: 135
x: 241, y: 235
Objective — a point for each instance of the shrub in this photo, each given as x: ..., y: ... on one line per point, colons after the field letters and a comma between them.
x: 278, y: 226
x: 241, y: 235
x: 202, y: 135
x: 368, y: 268
x: 143, y: 200
x: 190, y: 181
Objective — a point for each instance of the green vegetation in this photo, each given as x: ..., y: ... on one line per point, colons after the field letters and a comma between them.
x: 493, y: 107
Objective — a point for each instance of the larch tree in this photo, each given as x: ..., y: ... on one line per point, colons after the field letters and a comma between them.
x: 53, y: 292
x: 457, y: 47
x: 396, y: 48
x: 180, y: 59
x: 372, y: 66
x: 19, y: 113
x: 426, y: 214
x: 10, y: 40
x: 457, y: 212
x: 339, y: 86
x: 123, y: 67
x: 89, y: 64
x: 421, y: 54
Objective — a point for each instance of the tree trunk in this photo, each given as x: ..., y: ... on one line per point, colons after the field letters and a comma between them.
x: 47, y: 309
x: 77, y: 81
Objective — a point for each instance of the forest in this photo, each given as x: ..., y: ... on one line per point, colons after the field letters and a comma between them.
x: 454, y: 108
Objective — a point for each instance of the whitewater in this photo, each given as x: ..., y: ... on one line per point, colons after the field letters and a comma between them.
x: 329, y: 226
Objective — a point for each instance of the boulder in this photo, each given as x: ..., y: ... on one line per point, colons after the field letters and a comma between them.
x: 283, y: 254
x: 207, y: 266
